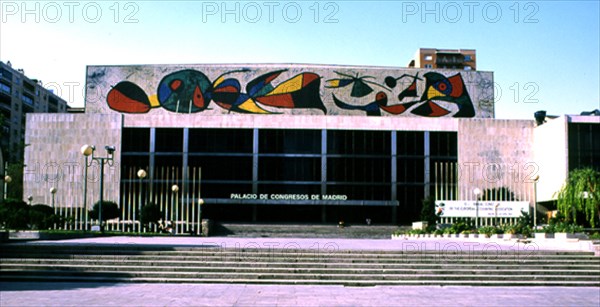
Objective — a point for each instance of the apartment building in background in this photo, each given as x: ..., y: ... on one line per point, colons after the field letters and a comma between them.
x: 461, y: 59
x: 20, y: 95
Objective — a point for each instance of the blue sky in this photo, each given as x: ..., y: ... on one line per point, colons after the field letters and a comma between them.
x: 544, y: 55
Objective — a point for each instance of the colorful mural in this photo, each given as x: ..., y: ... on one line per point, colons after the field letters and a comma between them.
x: 190, y: 91
x: 271, y: 90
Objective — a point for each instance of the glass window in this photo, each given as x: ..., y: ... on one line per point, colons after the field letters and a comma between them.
x: 132, y: 163
x: 5, y: 88
x: 363, y: 170
x: 27, y: 99
x: 443, y: 144
x: 409, y: 143
x: 348, y: 142
x: 169, y: 140
x: 223, y: 167
x: 289, y: 169
x: 136, y: 140
x: 299, y: 189
x: 289, y: 141
x: 220, y: 140
x: 584, y: 147
x: 468, y: 58
x: 168, y: 161
x: 411, y: 170
x: 428, y: 58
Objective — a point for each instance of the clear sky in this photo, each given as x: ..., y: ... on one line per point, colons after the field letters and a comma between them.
x: 544, y: 54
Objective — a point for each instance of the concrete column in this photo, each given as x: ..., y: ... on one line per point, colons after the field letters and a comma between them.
x: 255, y: 163
x: 427, y: 160
x: 394, y: 173
x: 323, y: 162
x: 151, y: 172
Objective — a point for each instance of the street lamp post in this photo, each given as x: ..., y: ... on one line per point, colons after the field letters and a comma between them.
x: 141, y: 175
x: 476, y: 191
x: 87, y: 150
x: 53, y: 193
x: 7, y: 180
x: 535, y: 181
x: 175, y: 216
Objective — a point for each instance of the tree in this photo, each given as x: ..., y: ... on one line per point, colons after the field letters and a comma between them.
x: 581, y: 194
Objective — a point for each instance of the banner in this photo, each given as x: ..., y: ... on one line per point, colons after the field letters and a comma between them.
x: 468, y: 208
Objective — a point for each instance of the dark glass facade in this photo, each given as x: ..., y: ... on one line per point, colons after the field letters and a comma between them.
x: 584, y: 145
x: 381, y: 175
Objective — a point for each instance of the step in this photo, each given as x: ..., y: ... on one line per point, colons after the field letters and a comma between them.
x: 354, y: 271
x: 147, y: 263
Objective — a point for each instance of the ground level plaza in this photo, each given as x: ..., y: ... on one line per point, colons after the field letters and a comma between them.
x: 103, y: 294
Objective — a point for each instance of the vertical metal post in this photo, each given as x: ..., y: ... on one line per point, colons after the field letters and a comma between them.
x: 101, y: 193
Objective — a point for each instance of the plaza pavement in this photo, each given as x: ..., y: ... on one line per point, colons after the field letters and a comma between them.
x: 124, y: 294
x: 101, y: 294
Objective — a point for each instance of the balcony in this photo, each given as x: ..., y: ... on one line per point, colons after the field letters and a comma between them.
x: 453, y: 59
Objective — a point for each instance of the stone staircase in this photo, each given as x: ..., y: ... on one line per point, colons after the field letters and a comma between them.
x: 304, y: 231
x: 189, y: 264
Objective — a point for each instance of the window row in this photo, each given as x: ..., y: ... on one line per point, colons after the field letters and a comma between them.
x: 288, y: 141
x: 240, y: 168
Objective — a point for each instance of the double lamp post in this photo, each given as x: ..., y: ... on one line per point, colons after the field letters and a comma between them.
x: 88, y: 150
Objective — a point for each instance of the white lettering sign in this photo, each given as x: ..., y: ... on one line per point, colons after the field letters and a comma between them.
x: 288, y: 196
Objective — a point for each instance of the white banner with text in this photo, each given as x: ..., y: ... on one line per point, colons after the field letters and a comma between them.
x: 469, y: 208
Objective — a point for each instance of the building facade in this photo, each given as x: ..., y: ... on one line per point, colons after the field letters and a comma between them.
x: 280, y: 143
x: 461, y: 59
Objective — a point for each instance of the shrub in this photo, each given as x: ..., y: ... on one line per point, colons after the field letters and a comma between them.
x: 564, y: 227
x: 417, y: 232
x: 438, y: 232
x: 42, y: 217
x: 488, y: 230
x: 399, y: 232
x: 460, y: 226
x: 150, y: 213
x: 14, y: 214
x: 523, y: 226
x: 110, y: 210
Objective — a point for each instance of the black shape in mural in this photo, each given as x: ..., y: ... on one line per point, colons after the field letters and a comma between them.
x: 360, y: 86
x: 437, y: 88
x: 127, y: 97
x: 372, y: 108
